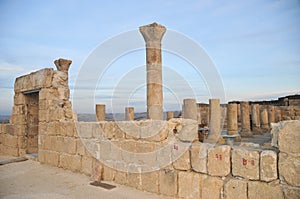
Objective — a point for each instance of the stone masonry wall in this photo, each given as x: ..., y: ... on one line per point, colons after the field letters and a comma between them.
x: 184, y: 168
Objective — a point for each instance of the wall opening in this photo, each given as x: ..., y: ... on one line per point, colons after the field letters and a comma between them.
x: 32, y: 121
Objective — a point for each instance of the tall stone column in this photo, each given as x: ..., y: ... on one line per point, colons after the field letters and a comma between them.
x: 271, y: 114
x: 245, y: 120
x: 255, y: 117
x: 153, y: 34
x: 129, y: 113
x: 214, y: 121
x: 100, y: 112
x: 232, y: 125
x: 189, y: 109
x: 264, y: 119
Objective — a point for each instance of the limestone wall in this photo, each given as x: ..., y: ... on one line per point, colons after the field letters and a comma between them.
x: 169, y: 163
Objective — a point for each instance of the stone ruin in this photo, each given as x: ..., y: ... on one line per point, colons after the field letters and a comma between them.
x: 181, y: 157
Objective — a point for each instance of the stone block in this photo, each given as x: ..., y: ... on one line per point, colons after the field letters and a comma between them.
x: 85, y: 129
x: 291, y: 192
x: 97, y: 170
x: 199, y: 157
x: 261, y: 190
x: 51, y: 158
x: 120, y: 173
x: 19, y: 99
x: 268, y: 165
x: 134, y: 178
x: 105, y: 150
x: 234, y: 189
x: 168, y: 182
x: 219, y: 160
x: 150, y: 181
x: 17, y: 119
x: 108, y: 173
x: 72, y: 162
x: 181, y: 156
x: 189, y: 185
x: 189, y: 130
x: 87, y: 163
x: 289, y: 169
x: 211, y: 187
x: 154, y: 130
x: 245, y: 163
x: 7, y: 150
x: 11, y: 140
x: 164, y: 156
x: 289, y: 137
x: 44, y: 115
x: 130, y: 129
x: 22, y: 142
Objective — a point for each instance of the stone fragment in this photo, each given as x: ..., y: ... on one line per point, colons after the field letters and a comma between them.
x: 188, y: 131
x: 268, y: 165
x: 245, y: 163
x: 234, y: 189
x: 219, y: 161
x: 261, y: 190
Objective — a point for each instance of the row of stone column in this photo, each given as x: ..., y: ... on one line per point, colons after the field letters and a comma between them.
x: 101, y: 115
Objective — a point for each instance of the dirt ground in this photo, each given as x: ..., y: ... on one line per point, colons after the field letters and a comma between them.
x: 30, y: 179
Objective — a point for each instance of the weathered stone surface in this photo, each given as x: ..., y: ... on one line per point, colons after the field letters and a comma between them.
x: 232, y: 123
x: 188, y: 131
x: 291, y: 192
x: 63, y: 64
x: 100, y: 112
x: 170, y: 115
x: 168, y: 182
x: 199, y: 157
x: 261, y: 190
x: 108, y: 173
x: 35, y: 80
x: 219, y: 160
x: 289, y: 169
x: 275, y: 131
x: 255, y: 117
x: 11, y: 140
x: 268, y: 165
x: 212, y: 187
x: 87, y: 163
x: 97, y: 170
x: 289, y: 137
x: 129, y: 113
x: 48, y: 157
x: 235, y: 189
x: 264, y: 120
x: 181, y: 157
x: 245, y: 163
x: 72, y: 162
x: 189, y: 185
x: 150, y: 181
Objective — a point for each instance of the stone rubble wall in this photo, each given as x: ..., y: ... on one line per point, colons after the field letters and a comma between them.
x: 202, y: 170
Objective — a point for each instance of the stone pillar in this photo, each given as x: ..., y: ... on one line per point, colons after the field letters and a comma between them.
x: 170, y: 115
x: 255, y: 117
x: 199, y: 114
x: 264, y: 119
x: 245, y: 120
x: 189, y: 110
x: 271, y: 114
x: 153, y: 34
x: 129, y: 113
x: 277, y: 114
x: 239, y: 112
x: 214, y: 121
x: 100, y: 112
x: 232, y: 125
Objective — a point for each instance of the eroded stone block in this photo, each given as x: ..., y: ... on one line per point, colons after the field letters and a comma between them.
x: 219, y: 160
x: 245, y: 163
x: 268, y: 165
x: 189, y: 185
x: 289, y: 169
x: 235, y: 189
x: 261, y: 190
x: 211, y: 187
x: 168, y: 182
x: 199, y: 157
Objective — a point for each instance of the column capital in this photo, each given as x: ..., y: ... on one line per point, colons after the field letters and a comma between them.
x: 153, y: 34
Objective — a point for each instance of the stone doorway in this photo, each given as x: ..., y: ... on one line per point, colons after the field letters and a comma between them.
x: 32, y: 121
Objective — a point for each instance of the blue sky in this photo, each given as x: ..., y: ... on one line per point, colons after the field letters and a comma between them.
x: 255, y: 45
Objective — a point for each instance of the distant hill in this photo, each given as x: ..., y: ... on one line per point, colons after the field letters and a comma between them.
x: 4, y: 119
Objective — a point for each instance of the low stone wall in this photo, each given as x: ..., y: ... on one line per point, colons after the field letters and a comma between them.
x: 166, y: 158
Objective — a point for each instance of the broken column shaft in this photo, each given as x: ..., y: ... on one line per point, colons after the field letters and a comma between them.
x: 153, y: 34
